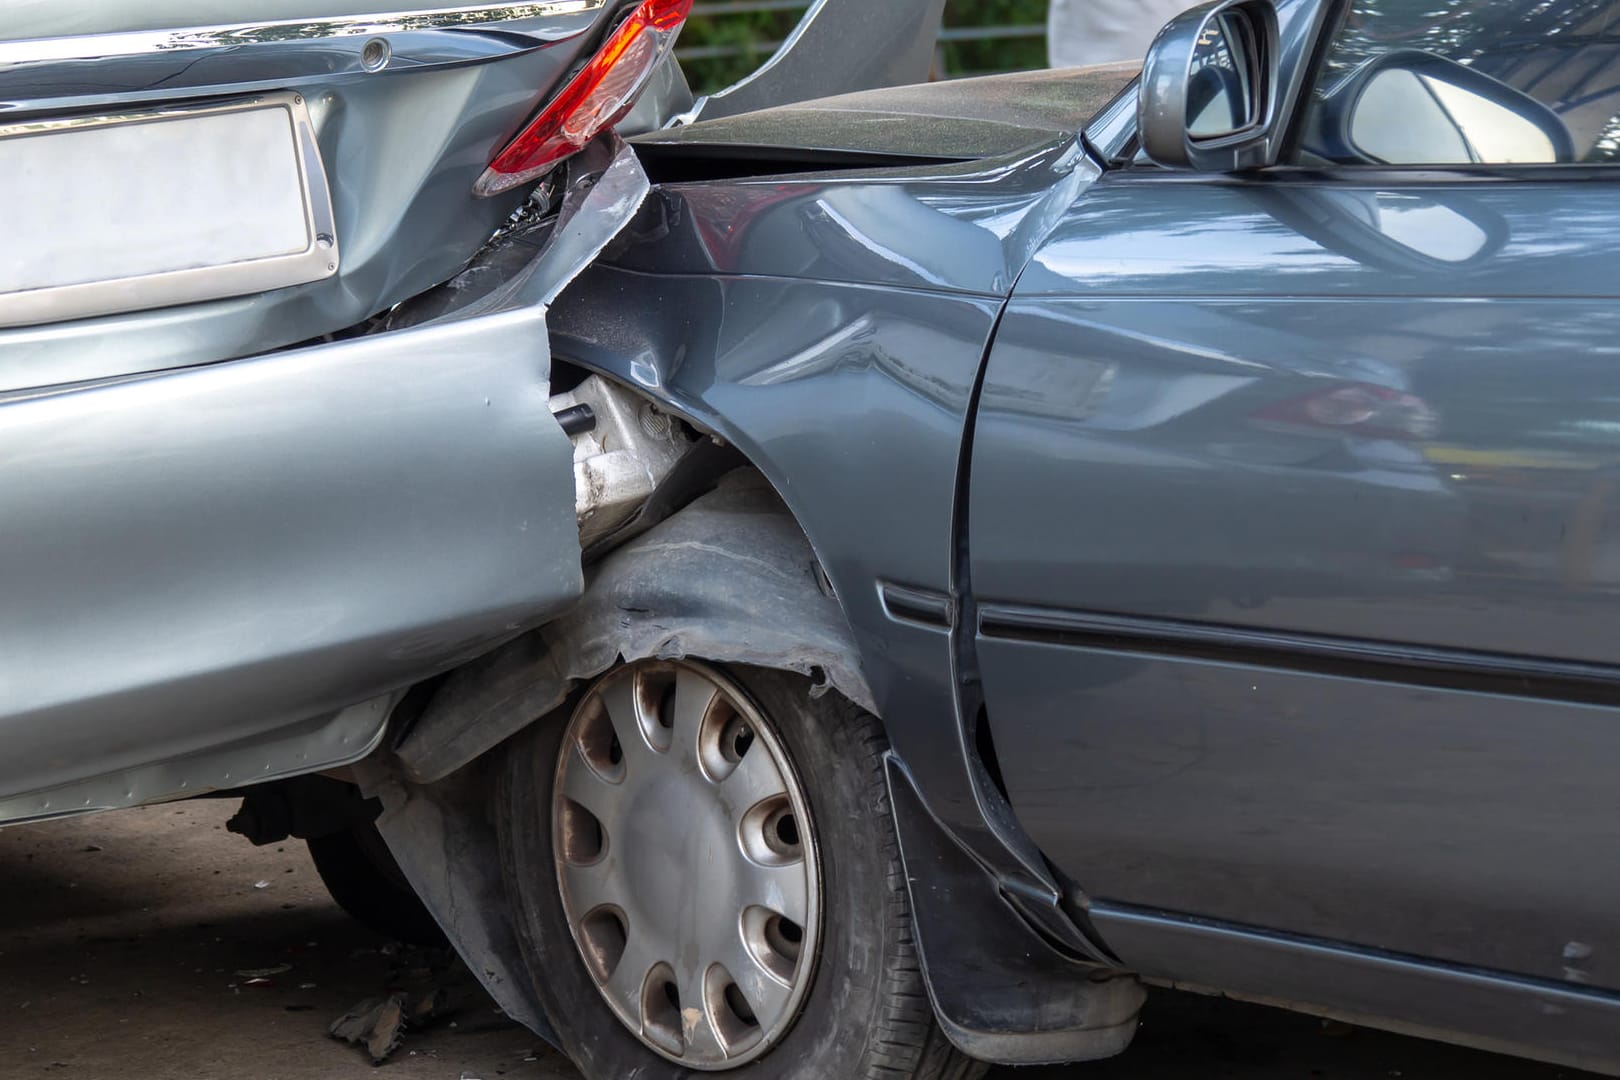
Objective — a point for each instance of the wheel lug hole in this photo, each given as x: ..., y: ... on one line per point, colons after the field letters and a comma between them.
x: 787, y: 832
x: 661, y: 1010
x: 740, y: 1006
x: 784, y: 936
x: 770, y: 833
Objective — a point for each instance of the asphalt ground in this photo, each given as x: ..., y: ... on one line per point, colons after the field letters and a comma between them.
x: 152, y: 945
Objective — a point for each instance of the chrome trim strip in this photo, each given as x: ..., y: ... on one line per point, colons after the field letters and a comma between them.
x: 138, y: 42
x: 318, y: 260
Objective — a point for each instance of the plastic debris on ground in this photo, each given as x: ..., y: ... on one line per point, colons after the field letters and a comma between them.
x: 424, y: 987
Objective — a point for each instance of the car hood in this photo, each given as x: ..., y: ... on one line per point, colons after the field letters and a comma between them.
x: 961, y: 120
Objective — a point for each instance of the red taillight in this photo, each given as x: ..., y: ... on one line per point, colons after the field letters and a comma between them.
x: 597, y: 98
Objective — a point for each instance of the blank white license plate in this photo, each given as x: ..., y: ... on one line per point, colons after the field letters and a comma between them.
x: 121, y: 213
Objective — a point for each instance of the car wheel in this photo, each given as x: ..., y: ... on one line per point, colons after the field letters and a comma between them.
x: 362, y: 876
x: 707, y: 878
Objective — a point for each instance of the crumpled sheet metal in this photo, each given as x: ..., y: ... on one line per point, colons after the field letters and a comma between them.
x: 731, y: 579
x: 604, y: 187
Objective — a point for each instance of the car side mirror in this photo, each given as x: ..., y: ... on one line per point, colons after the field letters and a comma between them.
x: 1208, y: 97
x: 1416, y: 108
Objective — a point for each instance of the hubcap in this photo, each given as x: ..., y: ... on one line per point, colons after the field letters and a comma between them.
x: 686, y: 862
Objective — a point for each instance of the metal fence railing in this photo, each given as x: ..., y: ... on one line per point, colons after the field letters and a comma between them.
x: 719, y: 9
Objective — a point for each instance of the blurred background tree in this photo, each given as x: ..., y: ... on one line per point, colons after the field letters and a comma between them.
x: 727, y: 39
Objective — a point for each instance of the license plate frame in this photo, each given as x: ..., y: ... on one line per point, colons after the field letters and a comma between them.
x: 295, y: 242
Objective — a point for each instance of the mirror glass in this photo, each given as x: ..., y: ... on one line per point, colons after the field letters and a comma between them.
x: 1416, y: 118
x: 1221, y: 94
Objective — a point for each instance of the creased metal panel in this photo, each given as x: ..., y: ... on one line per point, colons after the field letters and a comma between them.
x: 197, y: 558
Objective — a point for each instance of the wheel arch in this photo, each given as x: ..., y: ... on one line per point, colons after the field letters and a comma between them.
x: 689, y: 587
x: 850, y: 431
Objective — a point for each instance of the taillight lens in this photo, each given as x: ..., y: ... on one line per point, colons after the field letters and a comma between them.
x: 597, y: 98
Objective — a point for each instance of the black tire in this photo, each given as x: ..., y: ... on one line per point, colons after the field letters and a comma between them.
x: 867, y: 1016
x: 362, y: 876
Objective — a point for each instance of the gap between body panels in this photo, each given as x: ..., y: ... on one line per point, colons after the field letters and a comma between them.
x: 1064, y: 925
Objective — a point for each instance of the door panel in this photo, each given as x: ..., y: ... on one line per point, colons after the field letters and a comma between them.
x: 1473, y: 828
x: 1293, y: 533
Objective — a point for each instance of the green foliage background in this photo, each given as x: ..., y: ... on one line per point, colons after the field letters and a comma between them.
x: 756, y: 32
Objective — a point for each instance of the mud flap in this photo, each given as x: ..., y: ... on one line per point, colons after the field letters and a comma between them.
x: 1001, y: 993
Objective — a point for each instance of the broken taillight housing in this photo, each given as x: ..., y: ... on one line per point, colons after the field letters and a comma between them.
x: 597, y: 98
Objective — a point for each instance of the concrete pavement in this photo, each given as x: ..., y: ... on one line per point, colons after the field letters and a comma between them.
x: 122, y: 937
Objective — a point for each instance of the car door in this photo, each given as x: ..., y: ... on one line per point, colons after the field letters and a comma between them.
x: 1295, y: 544
x: 237, y: 512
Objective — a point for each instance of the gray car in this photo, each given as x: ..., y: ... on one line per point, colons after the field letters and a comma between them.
x: 862, y: 586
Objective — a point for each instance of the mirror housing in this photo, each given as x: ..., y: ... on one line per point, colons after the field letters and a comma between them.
x: 1449, y: 114
x: 1228, y: 49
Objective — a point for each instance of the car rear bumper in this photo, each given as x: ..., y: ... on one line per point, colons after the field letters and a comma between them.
x: 211, y: 575
x: 196, y: 559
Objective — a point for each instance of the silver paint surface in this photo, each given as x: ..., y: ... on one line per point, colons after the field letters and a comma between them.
x: 207, y: 556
